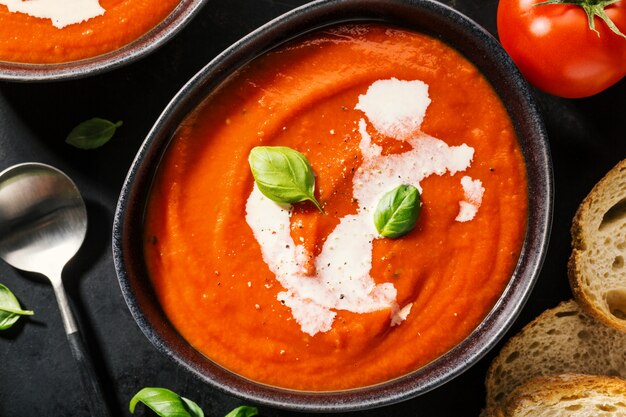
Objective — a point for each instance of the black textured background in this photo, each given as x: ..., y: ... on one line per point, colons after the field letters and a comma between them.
x: 37, y: 374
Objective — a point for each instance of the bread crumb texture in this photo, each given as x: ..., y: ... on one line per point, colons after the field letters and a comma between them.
x: 597, y: 271
x: 561, y: 340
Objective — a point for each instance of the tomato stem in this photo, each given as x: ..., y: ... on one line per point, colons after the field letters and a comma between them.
x: 593, y: 8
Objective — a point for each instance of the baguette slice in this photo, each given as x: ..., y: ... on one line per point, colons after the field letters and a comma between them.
x: 568, y: 395
x: 560, y: 340
x: 597, y: 266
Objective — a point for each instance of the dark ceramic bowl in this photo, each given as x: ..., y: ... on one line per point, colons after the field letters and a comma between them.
x: 142, y: 46
x: 419, y: 15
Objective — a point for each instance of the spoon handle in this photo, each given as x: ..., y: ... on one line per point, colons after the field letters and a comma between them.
x: 95, y: 398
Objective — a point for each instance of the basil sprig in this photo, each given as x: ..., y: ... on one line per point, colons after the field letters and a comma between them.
x: 243, y: 411
x: 166, y: 403
x: 283, y: 175
x: 92, y: 133
x: 10, y: 309
x: 397, y: 211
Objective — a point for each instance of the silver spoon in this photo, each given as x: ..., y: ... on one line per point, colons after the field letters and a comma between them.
x: 43, y: 222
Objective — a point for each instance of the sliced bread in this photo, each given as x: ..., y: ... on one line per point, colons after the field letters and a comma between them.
x: 597, y: 266
x: 568, y: 395
x: 560, y: 340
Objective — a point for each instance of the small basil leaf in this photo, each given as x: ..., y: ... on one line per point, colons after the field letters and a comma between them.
x: 166, y: 403
x: 283, y: 175
x: 397, y: 211
x: 193, y: 408
x: 243, y: 411
x: 10, y: 309
x: 92, y: 133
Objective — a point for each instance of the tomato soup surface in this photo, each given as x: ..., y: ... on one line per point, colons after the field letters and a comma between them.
x: 293, y: 297
x: 28, y: 39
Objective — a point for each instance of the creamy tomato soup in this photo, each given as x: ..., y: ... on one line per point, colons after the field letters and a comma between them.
x: 53, y: 31
x: 294, y: 297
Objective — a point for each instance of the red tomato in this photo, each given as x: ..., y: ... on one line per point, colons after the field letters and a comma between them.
x: 557, y: 51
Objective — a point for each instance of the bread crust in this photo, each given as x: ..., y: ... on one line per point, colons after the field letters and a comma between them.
x: 583, y: 232
x: 563, y: 394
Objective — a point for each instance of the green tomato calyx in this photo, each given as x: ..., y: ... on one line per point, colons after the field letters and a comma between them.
x: 592, y: 8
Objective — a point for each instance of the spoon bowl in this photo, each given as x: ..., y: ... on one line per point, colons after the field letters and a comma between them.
x: 43, y: 220
x: 43, y: 223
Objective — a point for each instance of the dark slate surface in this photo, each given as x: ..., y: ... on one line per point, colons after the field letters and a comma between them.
x: 37, y: 374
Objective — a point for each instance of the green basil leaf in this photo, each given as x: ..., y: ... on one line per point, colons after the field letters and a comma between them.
x: 243, y: 411
x: 397, y: 211
x: 193, y: 408
x: 10, y: 309
x: 166, y: 403
x: 92, y: 133
x: 283, y: 175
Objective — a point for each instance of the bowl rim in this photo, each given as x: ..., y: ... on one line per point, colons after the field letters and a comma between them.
x: 132, y: 51
x: 515, y: 94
